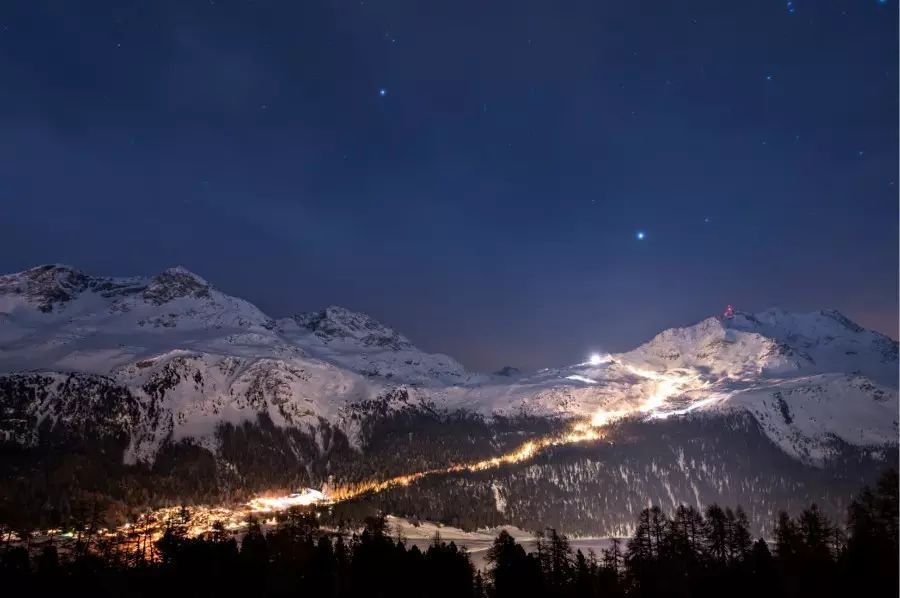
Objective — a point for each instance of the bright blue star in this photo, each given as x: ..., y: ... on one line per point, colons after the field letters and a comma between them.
x: 640, y: 235
x: 382, y: 92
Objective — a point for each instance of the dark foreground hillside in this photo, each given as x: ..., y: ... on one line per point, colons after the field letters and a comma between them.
x: 688, y: 554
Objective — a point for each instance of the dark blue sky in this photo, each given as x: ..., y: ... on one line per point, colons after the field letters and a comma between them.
x: 486, y: 203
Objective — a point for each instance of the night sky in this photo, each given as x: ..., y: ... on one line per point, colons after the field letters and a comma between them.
x: 515, y: 182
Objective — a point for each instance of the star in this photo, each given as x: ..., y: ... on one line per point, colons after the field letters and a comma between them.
x: 640, y: 235
x: 769, y: 77
x: 382, y: 92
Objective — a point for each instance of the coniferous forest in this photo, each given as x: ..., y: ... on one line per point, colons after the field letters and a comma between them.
x: 688, y: 553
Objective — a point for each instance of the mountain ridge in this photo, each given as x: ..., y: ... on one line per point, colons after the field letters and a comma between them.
x: 133, y: 329
x: 174, y: 373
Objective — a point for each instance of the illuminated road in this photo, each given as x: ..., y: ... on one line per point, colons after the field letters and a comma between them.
x: 581, y: 432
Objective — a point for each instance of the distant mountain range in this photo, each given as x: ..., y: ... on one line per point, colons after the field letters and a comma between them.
x: 142, y: 390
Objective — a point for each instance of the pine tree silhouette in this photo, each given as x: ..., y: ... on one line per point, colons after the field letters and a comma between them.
x: 688, y: 555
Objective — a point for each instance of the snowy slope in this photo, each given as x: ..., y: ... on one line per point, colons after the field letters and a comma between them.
x: 195, y: 357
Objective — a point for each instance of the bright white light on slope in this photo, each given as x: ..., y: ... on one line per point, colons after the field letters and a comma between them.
x: 597, y: 359
x: 662, y: 389
x: 584, y: 379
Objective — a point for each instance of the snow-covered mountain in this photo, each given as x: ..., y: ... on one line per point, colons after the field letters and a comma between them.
x: 203, y: 356
x: 208, y: 357
x: 55, y: 317
x: 166, y: 360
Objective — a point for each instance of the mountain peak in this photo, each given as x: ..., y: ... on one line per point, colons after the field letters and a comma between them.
x: 339, y: 323
x: 44, y: 269
x: 184, y: 272
x: 50, y: 273
x: 47, y: 286
x: 775, y: 342
x: 842, y: 319
x: 174, y: 283
x: 817, y: 324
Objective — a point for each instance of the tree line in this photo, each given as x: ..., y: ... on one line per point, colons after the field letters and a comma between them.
x: 690, y: 553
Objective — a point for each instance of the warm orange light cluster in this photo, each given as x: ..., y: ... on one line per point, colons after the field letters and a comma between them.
x: 204, y: 519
